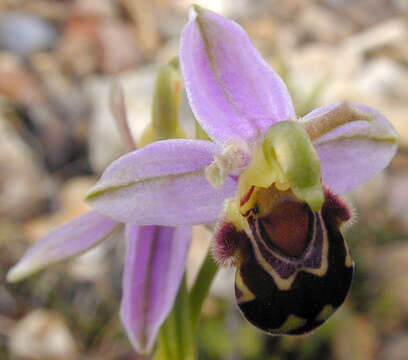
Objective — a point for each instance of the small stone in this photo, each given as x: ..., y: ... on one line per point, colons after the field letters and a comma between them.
x: 143, y: 14
x: 92, y: 265
x: 389, y: 278
x: 94, y: 8
x: 78, y: 49
x: 119, y: 50
x: 397, y: 198
x: 322, y: 65
x: 66, y: 97
x: 355, y: 338
x: 8, y: 304
x: 228, y: 8
x: 24, y: 33
x: 401, y: 5
x: 329, y: 28
x: 396, y: 348
x: 42, y: 335
x: 383, y: 77
x: 16, y: 82
x: 91, y: 44
x: 24, y: 185
x: 383, y: 34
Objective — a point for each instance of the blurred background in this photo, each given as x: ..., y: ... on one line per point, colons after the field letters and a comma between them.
x: 57, y: 60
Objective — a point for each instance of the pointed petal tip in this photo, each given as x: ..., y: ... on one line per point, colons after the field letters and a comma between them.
x: 26, y: 267
x: 192, y: 13
x: 353, y: 142
x: 93, y: 193
x: 62, y: 243
x: 364, y: 112
x: 139, y: 345
x: 195, y: 10
x: 392, y: 136
x: 89, y: 195
x: 19, y: 272
x: 98, y: 190
x: 142, y: 348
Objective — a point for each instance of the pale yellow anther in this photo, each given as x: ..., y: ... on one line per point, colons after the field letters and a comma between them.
x: 235, y: 155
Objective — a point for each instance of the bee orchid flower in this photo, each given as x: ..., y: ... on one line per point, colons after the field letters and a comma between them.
x: 271, y: 181
x: 279, y: 178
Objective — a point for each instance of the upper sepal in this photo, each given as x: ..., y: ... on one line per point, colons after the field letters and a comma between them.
x: 232, y: 91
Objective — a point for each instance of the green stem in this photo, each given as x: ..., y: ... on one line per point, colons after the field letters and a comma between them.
x: 176, y: 341
x: 201, y: 287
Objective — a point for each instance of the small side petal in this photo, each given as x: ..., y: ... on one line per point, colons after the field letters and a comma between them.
x: 232, y: 91
x: 353, y: 142
x: 163, y: 183
x: 65, y: 241
x: 155, y: 259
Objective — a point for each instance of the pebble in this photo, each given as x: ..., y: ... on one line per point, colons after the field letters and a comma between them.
x: 24, y: 33
x: 42, y: 335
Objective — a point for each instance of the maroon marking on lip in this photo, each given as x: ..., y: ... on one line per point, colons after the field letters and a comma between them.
x: 285, y: 269
x: 287, y: 227
x: 245, y: 199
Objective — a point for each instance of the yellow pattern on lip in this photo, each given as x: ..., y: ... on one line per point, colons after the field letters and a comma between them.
x: 327, y: 311
x: 247, y: 295
x: 293, y: 322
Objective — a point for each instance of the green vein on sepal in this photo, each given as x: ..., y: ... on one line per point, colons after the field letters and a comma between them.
x: 93, y: 194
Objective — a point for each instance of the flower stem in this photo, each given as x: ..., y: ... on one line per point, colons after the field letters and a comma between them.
x: 176, y: 340
x: 200, y: 288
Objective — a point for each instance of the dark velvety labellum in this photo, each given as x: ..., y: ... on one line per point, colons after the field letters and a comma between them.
x: 312, y: 297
